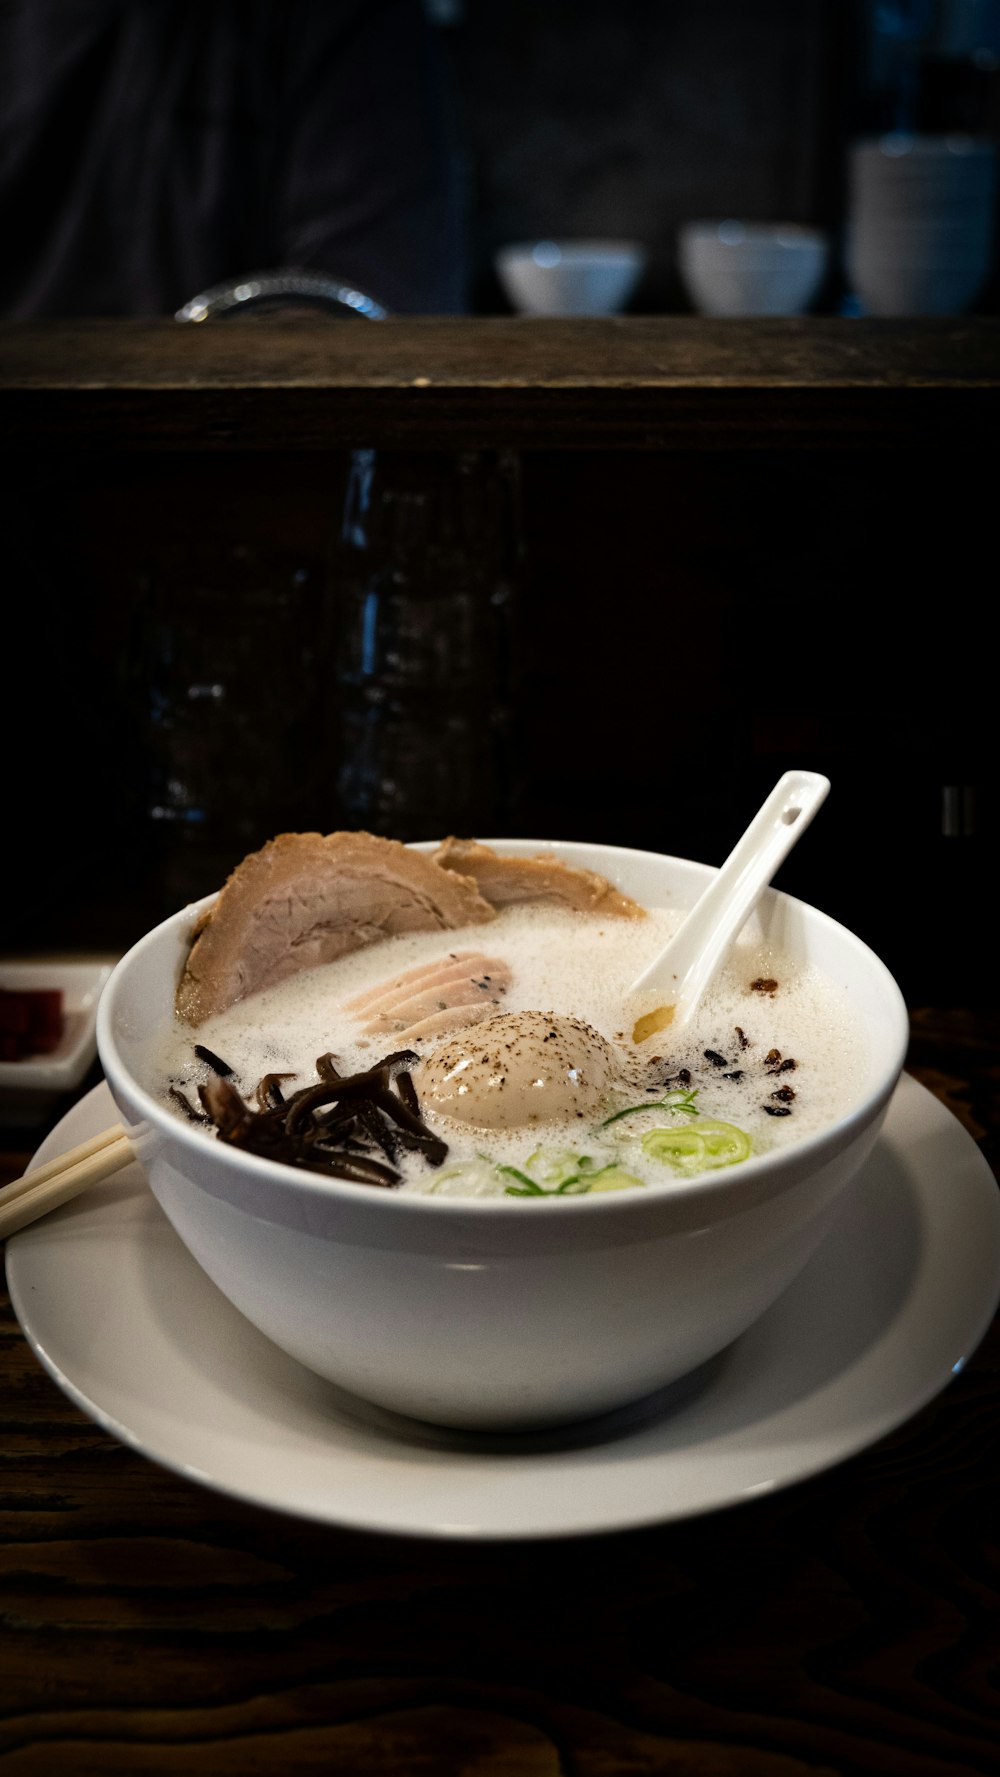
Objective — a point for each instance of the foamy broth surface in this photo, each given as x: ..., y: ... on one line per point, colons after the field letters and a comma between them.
x: 568, y: 963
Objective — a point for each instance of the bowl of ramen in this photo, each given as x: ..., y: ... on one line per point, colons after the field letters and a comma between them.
x: 405, y: 1108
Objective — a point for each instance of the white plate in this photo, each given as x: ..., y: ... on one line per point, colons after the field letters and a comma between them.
x: 887, y: 1311
x: 33, y: 1085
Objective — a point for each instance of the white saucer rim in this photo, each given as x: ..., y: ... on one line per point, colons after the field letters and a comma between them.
x: 61, y: 1136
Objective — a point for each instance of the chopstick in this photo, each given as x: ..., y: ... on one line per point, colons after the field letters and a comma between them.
x: 46, y: 1187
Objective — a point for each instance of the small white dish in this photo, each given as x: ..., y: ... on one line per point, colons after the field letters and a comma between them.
x: 29, y: 1088
x: 570, y: 277
x: 884, y: 1316
x: 752, y: 268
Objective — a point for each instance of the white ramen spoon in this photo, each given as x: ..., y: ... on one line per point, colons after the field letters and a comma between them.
x: 687, y: 966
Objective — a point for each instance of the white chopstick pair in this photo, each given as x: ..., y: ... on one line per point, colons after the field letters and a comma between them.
x: 46, y: 1187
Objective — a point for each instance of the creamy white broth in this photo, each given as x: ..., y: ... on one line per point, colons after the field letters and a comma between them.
x: 575, y: 966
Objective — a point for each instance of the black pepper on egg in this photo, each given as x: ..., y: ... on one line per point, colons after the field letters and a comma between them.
x: 541, y: 1066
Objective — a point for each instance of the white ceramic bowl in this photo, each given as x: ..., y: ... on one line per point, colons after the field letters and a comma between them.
x: 751, y: 268
x: 498, y: 1313
x: 570, y: 277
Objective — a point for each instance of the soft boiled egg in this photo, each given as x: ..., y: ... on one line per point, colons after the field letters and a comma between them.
x: 521, y: 1068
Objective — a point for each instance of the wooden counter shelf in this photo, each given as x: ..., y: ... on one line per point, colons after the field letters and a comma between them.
x: 629, y: 383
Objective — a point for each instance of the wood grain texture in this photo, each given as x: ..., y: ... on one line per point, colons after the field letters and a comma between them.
x: 639, y: 382
x: 848, y: 1625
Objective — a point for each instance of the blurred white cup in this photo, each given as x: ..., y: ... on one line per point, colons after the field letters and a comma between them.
x: 570, y: 277
x: 752, y: 268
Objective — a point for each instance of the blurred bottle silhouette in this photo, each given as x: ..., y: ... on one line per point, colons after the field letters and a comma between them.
x: 425, y: 577
x: 372, y: 690
x: 228, y: 652
x: 232, y: 647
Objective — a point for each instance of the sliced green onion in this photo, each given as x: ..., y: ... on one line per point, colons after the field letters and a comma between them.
x: 677, y: 1102
x: 682, y: 1149
x: 606, y: 1178
x: 525, y: 1187
x: 551, y: 1166
x: 705, y: 1149
x: 725, y: 1145
x: 478, y: 1171
x: 613, y: 1178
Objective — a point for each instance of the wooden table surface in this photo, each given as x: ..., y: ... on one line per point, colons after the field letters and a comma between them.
x: 625, y: 382
x: 848, y: 1624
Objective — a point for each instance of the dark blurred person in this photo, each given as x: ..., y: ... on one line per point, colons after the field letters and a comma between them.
x: 152, y: 148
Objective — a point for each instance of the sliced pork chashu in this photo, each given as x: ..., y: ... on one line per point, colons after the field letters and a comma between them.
x: 309, y: 898
x: 543, y: 878
x: 434, y: 999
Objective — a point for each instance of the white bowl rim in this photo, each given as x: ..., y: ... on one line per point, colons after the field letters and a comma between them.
x: 570, y: 249
x: 703, y: 1188
x: 753, y: 234
x: 947, y: 145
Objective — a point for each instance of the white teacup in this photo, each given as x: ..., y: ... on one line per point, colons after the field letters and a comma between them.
x: 570, y: 277
x: 752, y: 268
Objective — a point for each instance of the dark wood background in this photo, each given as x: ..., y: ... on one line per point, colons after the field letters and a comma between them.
x: 745, y: 547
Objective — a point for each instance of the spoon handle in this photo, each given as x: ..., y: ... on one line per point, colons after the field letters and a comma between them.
x: 686, y: 967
